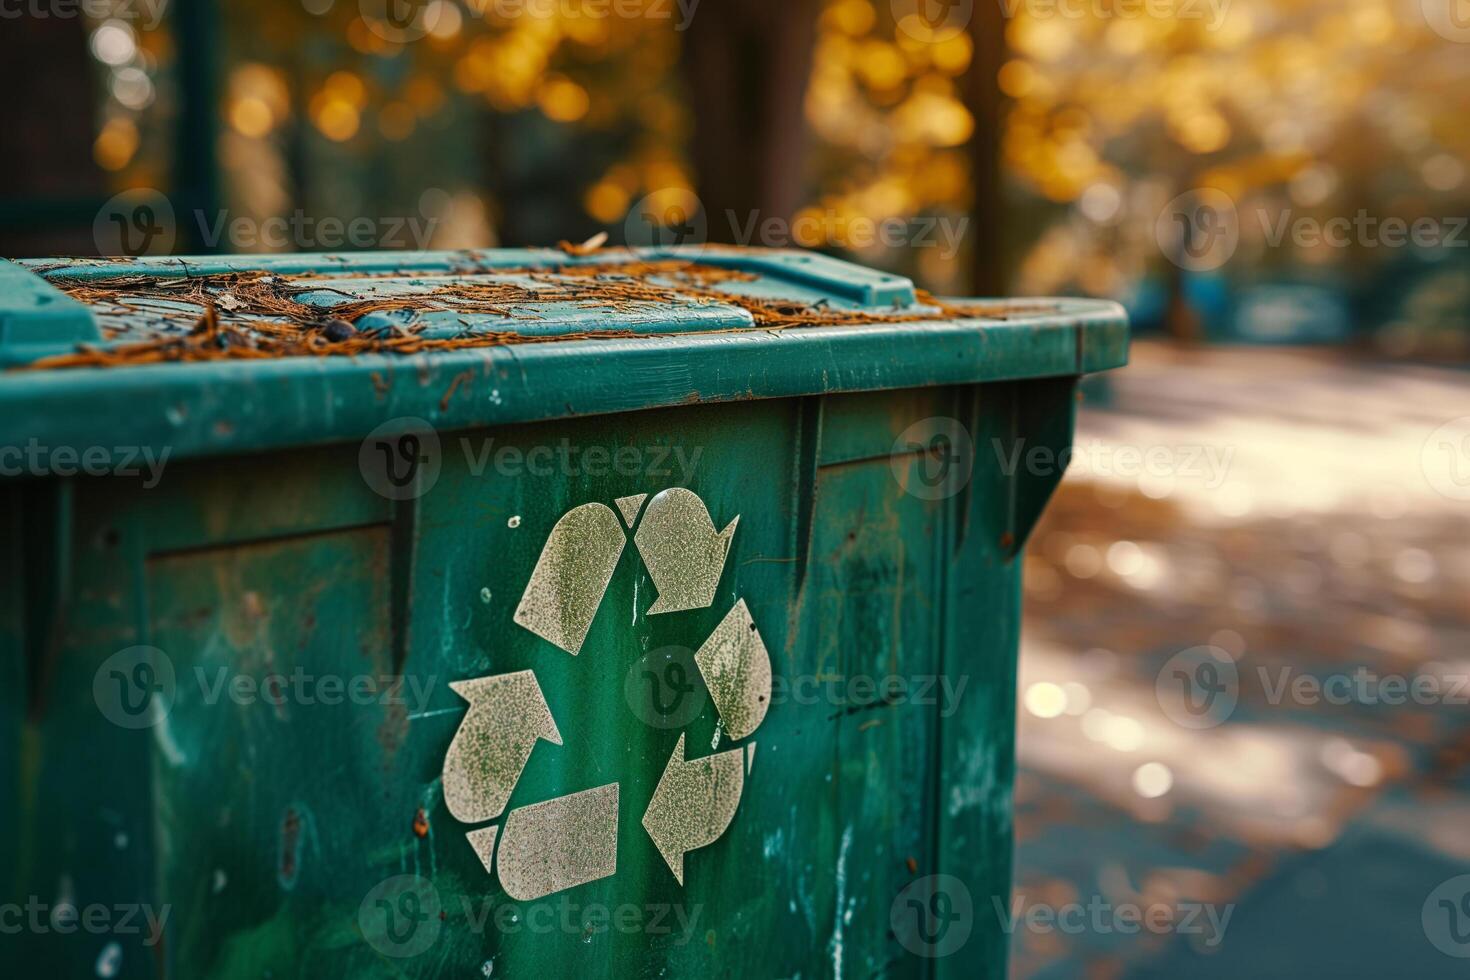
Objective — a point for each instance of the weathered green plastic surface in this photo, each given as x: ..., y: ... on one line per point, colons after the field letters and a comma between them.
x: 264, y: 829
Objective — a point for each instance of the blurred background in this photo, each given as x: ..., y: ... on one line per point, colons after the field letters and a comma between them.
x: 1276, y: 189
x: 1027, y: 146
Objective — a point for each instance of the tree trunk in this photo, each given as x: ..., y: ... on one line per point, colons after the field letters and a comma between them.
x: 50, y: 187
x: 746, y: 64
x: 990, y: 268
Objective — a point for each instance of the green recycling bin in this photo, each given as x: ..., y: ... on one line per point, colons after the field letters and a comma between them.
x: 516, y: 613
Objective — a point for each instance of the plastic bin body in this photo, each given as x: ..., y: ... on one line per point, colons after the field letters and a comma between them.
x: 268, y: 781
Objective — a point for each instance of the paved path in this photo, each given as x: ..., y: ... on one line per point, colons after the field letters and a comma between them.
x: 1292, y: 511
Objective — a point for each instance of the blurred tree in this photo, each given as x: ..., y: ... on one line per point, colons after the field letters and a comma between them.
x: 1060, y: 131
x: 990, y: 263
x: 1291, y: 109
x: 49, y: 185
x: 746, y: 64
x: 887, y: 102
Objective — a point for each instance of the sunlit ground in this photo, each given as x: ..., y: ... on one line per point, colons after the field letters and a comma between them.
x: 1289, y: 517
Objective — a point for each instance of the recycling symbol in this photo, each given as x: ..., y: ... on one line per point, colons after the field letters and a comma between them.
x: 567, y: 841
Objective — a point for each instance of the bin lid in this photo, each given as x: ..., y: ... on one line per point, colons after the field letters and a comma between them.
x: 215, y: 355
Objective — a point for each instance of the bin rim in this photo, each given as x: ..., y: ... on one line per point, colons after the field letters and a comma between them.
x: 210, y: 408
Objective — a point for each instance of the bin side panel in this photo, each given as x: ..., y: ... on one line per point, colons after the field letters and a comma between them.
x: 83, y: 818
x: 873, y: 624
x: 269, y: 777
x: 270, y: 813
x: 976, y: 751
